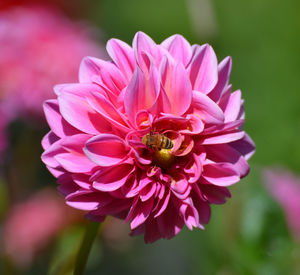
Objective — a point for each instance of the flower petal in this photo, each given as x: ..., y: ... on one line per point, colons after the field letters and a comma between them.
x: 112, y: 178
x: 179, y: 48
x: 140, y: 212
x: 220, y: 174
x: 224, y: 70
x: 147, y: 192
x: 207, y: 109
x: 104, y: 107
x: 177, y: 86
x: 49, y: 139
x: 203, y: 69
x: 226, y: 153
x: 81, y: 115
x: 141, y: 93
x: 123, y: 56
x: 245, y: 146
x: 106, y: 149
x: 56, y: 122
x: 94, y: 70
x: 223, y: 138
x: 215, y: 194
x: 87, y: 200
x: 233, y: 106
x: 190, y: 215
x: 143, y: 43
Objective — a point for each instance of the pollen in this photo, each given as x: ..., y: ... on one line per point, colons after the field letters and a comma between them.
x: 163, y: 158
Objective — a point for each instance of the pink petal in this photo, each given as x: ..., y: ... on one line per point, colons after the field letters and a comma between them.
x: 112, y: 178
x: 180, y: 187
x: 140, y: 213
x: 151, y: 233
x: 206, y: 109
x: 194, y: 168
x: 143, y: 43
x: 147, y: 192
x: 245, y: 146
x: 204, y: 211
x: 82, y: 180
x: 93, y: 70
x: 220, y: 174
x: 86, y: 200
x: 223, y: 138
x: 215, y: 194
x: 224, y: 127
x: 73, y: 159
x: 75, y: 143
x: 162, y: 104
x: 106, y: 149
x: 195, y: 127
x: 233, y: 106
x: 177, y: 86
x: 56, y: 122
x: 81, y: 115
x: 204, y: 69
x: 141, y: 93
x: 224, y: 70
x: 74, y: 163
x: 79, y: 89
x: 170, y: 222
x: 108, y: 111
x: 190, y: 215
x: 49, y: 139
x: 162, y: 205
x: 112, y: 207
x: 186, y: 146
x: 179, y: 48
x: 49, y: 154
x: 67, y: 185
x: 226, y: 153
x: 130, y: 188
x: 123, y: 56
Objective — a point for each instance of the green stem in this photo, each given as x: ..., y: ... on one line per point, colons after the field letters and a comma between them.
x: 85, y: 247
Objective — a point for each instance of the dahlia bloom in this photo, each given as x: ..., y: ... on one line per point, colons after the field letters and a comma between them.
x: 285, y: 188
x: 39, y: 48
x: 172, y: 90
x: 32, y: 224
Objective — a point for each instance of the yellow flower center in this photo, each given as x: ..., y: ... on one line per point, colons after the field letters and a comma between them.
x: 163, y: 158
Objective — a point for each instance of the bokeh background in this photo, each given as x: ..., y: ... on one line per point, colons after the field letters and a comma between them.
x: 251, y: 233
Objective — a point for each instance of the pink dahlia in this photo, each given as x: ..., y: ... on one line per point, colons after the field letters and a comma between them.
x: 39, y: 48
x: 152, y: 137
x: 285, y: 188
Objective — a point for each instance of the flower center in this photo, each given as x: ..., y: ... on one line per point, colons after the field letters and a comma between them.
x: 163, y: 158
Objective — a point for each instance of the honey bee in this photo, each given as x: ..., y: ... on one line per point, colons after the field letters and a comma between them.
x: 158, y: 141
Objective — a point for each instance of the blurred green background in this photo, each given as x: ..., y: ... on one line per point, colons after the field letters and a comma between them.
x: 247, y: 235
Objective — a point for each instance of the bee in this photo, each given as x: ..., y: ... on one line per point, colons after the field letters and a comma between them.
x: 158, y: 141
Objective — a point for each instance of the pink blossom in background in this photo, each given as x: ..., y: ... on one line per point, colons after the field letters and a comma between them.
x: 285, y: 188
x: 39, y: 48
x: 32, y: 224
x: 95, y: 146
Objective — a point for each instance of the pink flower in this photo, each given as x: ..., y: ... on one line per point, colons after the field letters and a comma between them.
x: 39, y: 48
x: 95, y: 146
x: 32, y: 224
x: 285, y: 188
